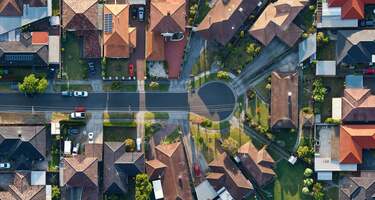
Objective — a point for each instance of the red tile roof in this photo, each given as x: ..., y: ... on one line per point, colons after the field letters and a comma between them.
x: 167, y: 16
x: 39, y: 38
x: 353, y: 139
x: 174, y: 54
x: 351, y: 9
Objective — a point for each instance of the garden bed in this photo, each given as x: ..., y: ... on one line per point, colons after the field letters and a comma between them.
x: 119, y: 87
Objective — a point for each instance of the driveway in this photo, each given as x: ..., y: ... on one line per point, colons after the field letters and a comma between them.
x: 137, y: 57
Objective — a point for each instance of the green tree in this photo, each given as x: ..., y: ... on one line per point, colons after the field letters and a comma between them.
x: 306, y: 153
x: 308, y: 172
x: 223, y: 75
x: 32, y: 85
x: 55, y: 192
x: 143, y: 187
x: 129, y: 145
x: 305, y: 190
x: 317, y: 191
x: 154, y: 85
x: 319, y: 91
x: 321, y: 38
x: 308, y: 182
x: 230, y: 145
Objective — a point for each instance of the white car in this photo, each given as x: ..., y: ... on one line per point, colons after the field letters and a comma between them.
x: 141, y: 14
x: 139, y: 142
x: 75, y: 149
x: 4, y: 165
x: 80, y: 93
x: 77, y: 115
x: 91, y: 137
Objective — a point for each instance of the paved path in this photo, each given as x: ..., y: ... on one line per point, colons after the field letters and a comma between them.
x: 197, y: 44
x: 95, y: 125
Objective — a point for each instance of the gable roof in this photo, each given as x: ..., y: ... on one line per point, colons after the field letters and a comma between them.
x: 81, y: 171
x: 358, y: 105
x: 225, y: 173
x: 351, y: 9
x: 355, y: 46
x: 353, y: 139
x: 118, y: 43
x: 224, y: 19
x: 10, y: 8
x: 284, y: 108
x: 358, y: 187
x: 167, y: 16
x: 80, y: 15
x: 277, y: 21
x: 257, y: 163
x: 21, y: 189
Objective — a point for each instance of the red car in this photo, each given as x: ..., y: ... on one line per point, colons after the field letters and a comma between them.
x: 80, y: 109
x: 131, y: 70
x: 369, y: 71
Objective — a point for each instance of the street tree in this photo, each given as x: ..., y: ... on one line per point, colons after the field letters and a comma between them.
x: 154, y: 85
x: 32, y: 85
x: 230, y: 145
x: 55, y: 192
x: 223, y: 75
x: 143, y: 187
x: 129, y: 145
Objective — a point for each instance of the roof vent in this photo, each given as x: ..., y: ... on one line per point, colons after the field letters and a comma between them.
x: 225, y: 1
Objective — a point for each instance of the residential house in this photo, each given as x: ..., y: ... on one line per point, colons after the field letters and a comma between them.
x: 358, y: 106
x: 20, y: 187
x: 171, y: 168
x: 80, y: 177
x: 258, y: 163
x: 120, y: 165
x: 225, y: 175
x: 119, y: 37
x: 165, y: 38
x: 351, y: 9
x: 277, y: 21
x: 225, y: 18
x: 85, y: 19
x: 284, y: 100
x: 355, y: 46
x: 330, y: 17
x: 24, y: 145
x: 357, y: 187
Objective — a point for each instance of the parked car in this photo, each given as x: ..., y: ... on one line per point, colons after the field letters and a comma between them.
x: 177, y: 37
x: 91, y: 67
x: 75, y: 149
x: 4, y: 165
x: 80, y: 109
x: 369, y: 71
x: 366, y: 23
x: 139, y: 142
x: 134, y: 13
x: 67, y: 93
x: 77, y: 115
x: 141, y: 13
x: 131, y: 70
x: 80, y: 93
x: 73, y: 131
x: 91, y: 137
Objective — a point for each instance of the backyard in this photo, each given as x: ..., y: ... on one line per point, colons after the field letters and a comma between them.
x: 335, y: 88
x: 326, y: 51
x: 258, y: 112
x: 73, y: 66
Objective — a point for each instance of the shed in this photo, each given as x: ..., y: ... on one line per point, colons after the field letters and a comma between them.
x: 158, y: 190
x: 325, y: 68
x: 336, y: 108
x: 54, y: 49
x: 67, y: 147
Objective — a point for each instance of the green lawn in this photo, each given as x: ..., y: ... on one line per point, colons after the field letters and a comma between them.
x: 286, y: 138
x: 64, y: 87
x: 119, y: 87
x: 75, y: 67
x: 19, y: 73
x: 55, y: 8
x: 261, y: 88
x: 53, y: 164
x: 326, y: 51
x: 258, y: 111
x: 173, y: 137
x: 202, y: 65
x: 156, y: 115
x: 117, y: 67
x: 118, y: 116
x: 332, y: 193
x: 118, y: 133
x: 288, y: 183
x: 205, y: 142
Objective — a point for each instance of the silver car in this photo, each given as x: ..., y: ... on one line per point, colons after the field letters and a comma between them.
x: 4, y: 165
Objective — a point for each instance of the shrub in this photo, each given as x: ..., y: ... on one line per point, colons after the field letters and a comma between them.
x: 206, y: 123
x: 143, y: 187
x: 332, y: 121
x: 307, y: 110
x: 230, y: 145
x: 308, y: 172
x: 129, y: 145
x: 223, y: 75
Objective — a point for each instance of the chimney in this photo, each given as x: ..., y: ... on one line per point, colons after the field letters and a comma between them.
x: 225, y: 2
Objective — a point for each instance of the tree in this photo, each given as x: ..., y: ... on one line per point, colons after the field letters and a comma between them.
x: 143, y: 187
x: 32, y: 85
x: 321, y: 38
x: 252, y: 49
x: 223, y: 75
x: 230, y: 145
x: 154, y: 85
x: 317, y: 191
x: 129, y: 145
x: 308, y: 182
x: 55, y: 192
x: 308, y: 172
x: 306, y: 153
x: 305, y: 190
x: 319, y: 91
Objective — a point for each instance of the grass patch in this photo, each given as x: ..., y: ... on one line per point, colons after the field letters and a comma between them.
x: 116, y: 67
x: 53, y: 164
x: 238, y: 135
x: 156, y: 115
x: 202, y: 65
x: 335, y: 88
x: 19, y: 73
x: 258, y: 112
x: 119, y: 87
x: 75, y: 67
x: 332, y: 193
x: 119, y: 133
x: 128, y: 124
x: 261, y: 88
x: 173, y: 137
x: 205, y: 142
x: 204, y: 79
x: 151, y: 129
x: 55, y: 8
x: 64, y: 87
x: 117, y: 116
x: 286, y: 138
x: 326, y: 51
x: 6, y: 87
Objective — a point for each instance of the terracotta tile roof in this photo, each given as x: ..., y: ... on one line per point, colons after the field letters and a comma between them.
x: 120, y: 42
x: 175, y: 179
x: 225, y: 173
x: 81, y: 171
x: 167, y: 16
x: 39, y: 38
x: 257, y: 163
x: 351, y: 9
x: 358, y: 105
x: 174, y: 54
x: 223, y: 20
x: 10, y: 8
x: 353, y: 139
x: 155, y: 169
x: 154, y: 47
x: 284, y: 114
x: 277, y: 21
x: 80, y: 15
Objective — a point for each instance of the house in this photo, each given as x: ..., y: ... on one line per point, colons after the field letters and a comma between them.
x: 330, y: 17
x: 358, y: 106
x: 165, y: 37
x: 84, y: 18
x: 355, y: 46
x: 225, y: 174
x: 169, y: 166
x: 119, y: 38
x: 351, y: 9
x: 80, y: 177
x: 225, y: 18
x: 258, y: 164
x: 277, y: 21
x: 284, y: 100
x: 20, y: 187
x: 119, y: 166
x: 24, y: 145
x: 357, y: 187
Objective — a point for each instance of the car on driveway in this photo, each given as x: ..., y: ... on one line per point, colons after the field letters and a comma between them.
x: 81, y: 93
x: 75, y: 149
x: 67, y: 93
x: 4, y: 165
x: 141, y: 13
x: 131, y: 70
x: 77, y: 115
x: 91, y: 67
x: 134, y: 13
x: 91, y: 137
x: 73, y: 131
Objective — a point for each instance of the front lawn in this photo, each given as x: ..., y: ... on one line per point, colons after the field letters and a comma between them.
x: 156, y: 115
x: 162, y: 87
x: 73, y: 65
x: 119, y: 87
x: 202, y: 65
x: 258, y: 112
x: 64, y: 87
x: 205, y: 142
x: 119, y: 133
x: 116, y: 68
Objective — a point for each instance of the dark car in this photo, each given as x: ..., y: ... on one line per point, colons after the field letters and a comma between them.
x: 67, y: 93
x: 91, y: 67
x: 367, y: 22
x: 73, y: 131
x: 134, y: 13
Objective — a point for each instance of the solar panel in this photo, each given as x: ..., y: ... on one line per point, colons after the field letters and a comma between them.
x: 108, y: 23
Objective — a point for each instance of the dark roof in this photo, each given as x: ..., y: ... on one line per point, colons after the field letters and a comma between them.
x: 10, y: 8
x: 224, y: 19
x: 355, y: 46
x: 225, y: 173
x: 94, y: 150
x: 358, y: 187
x: 28, y: 142
x: 80, y: 15
x: 284, y: 109
x: 118, y: 165
x: 21, y: 189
